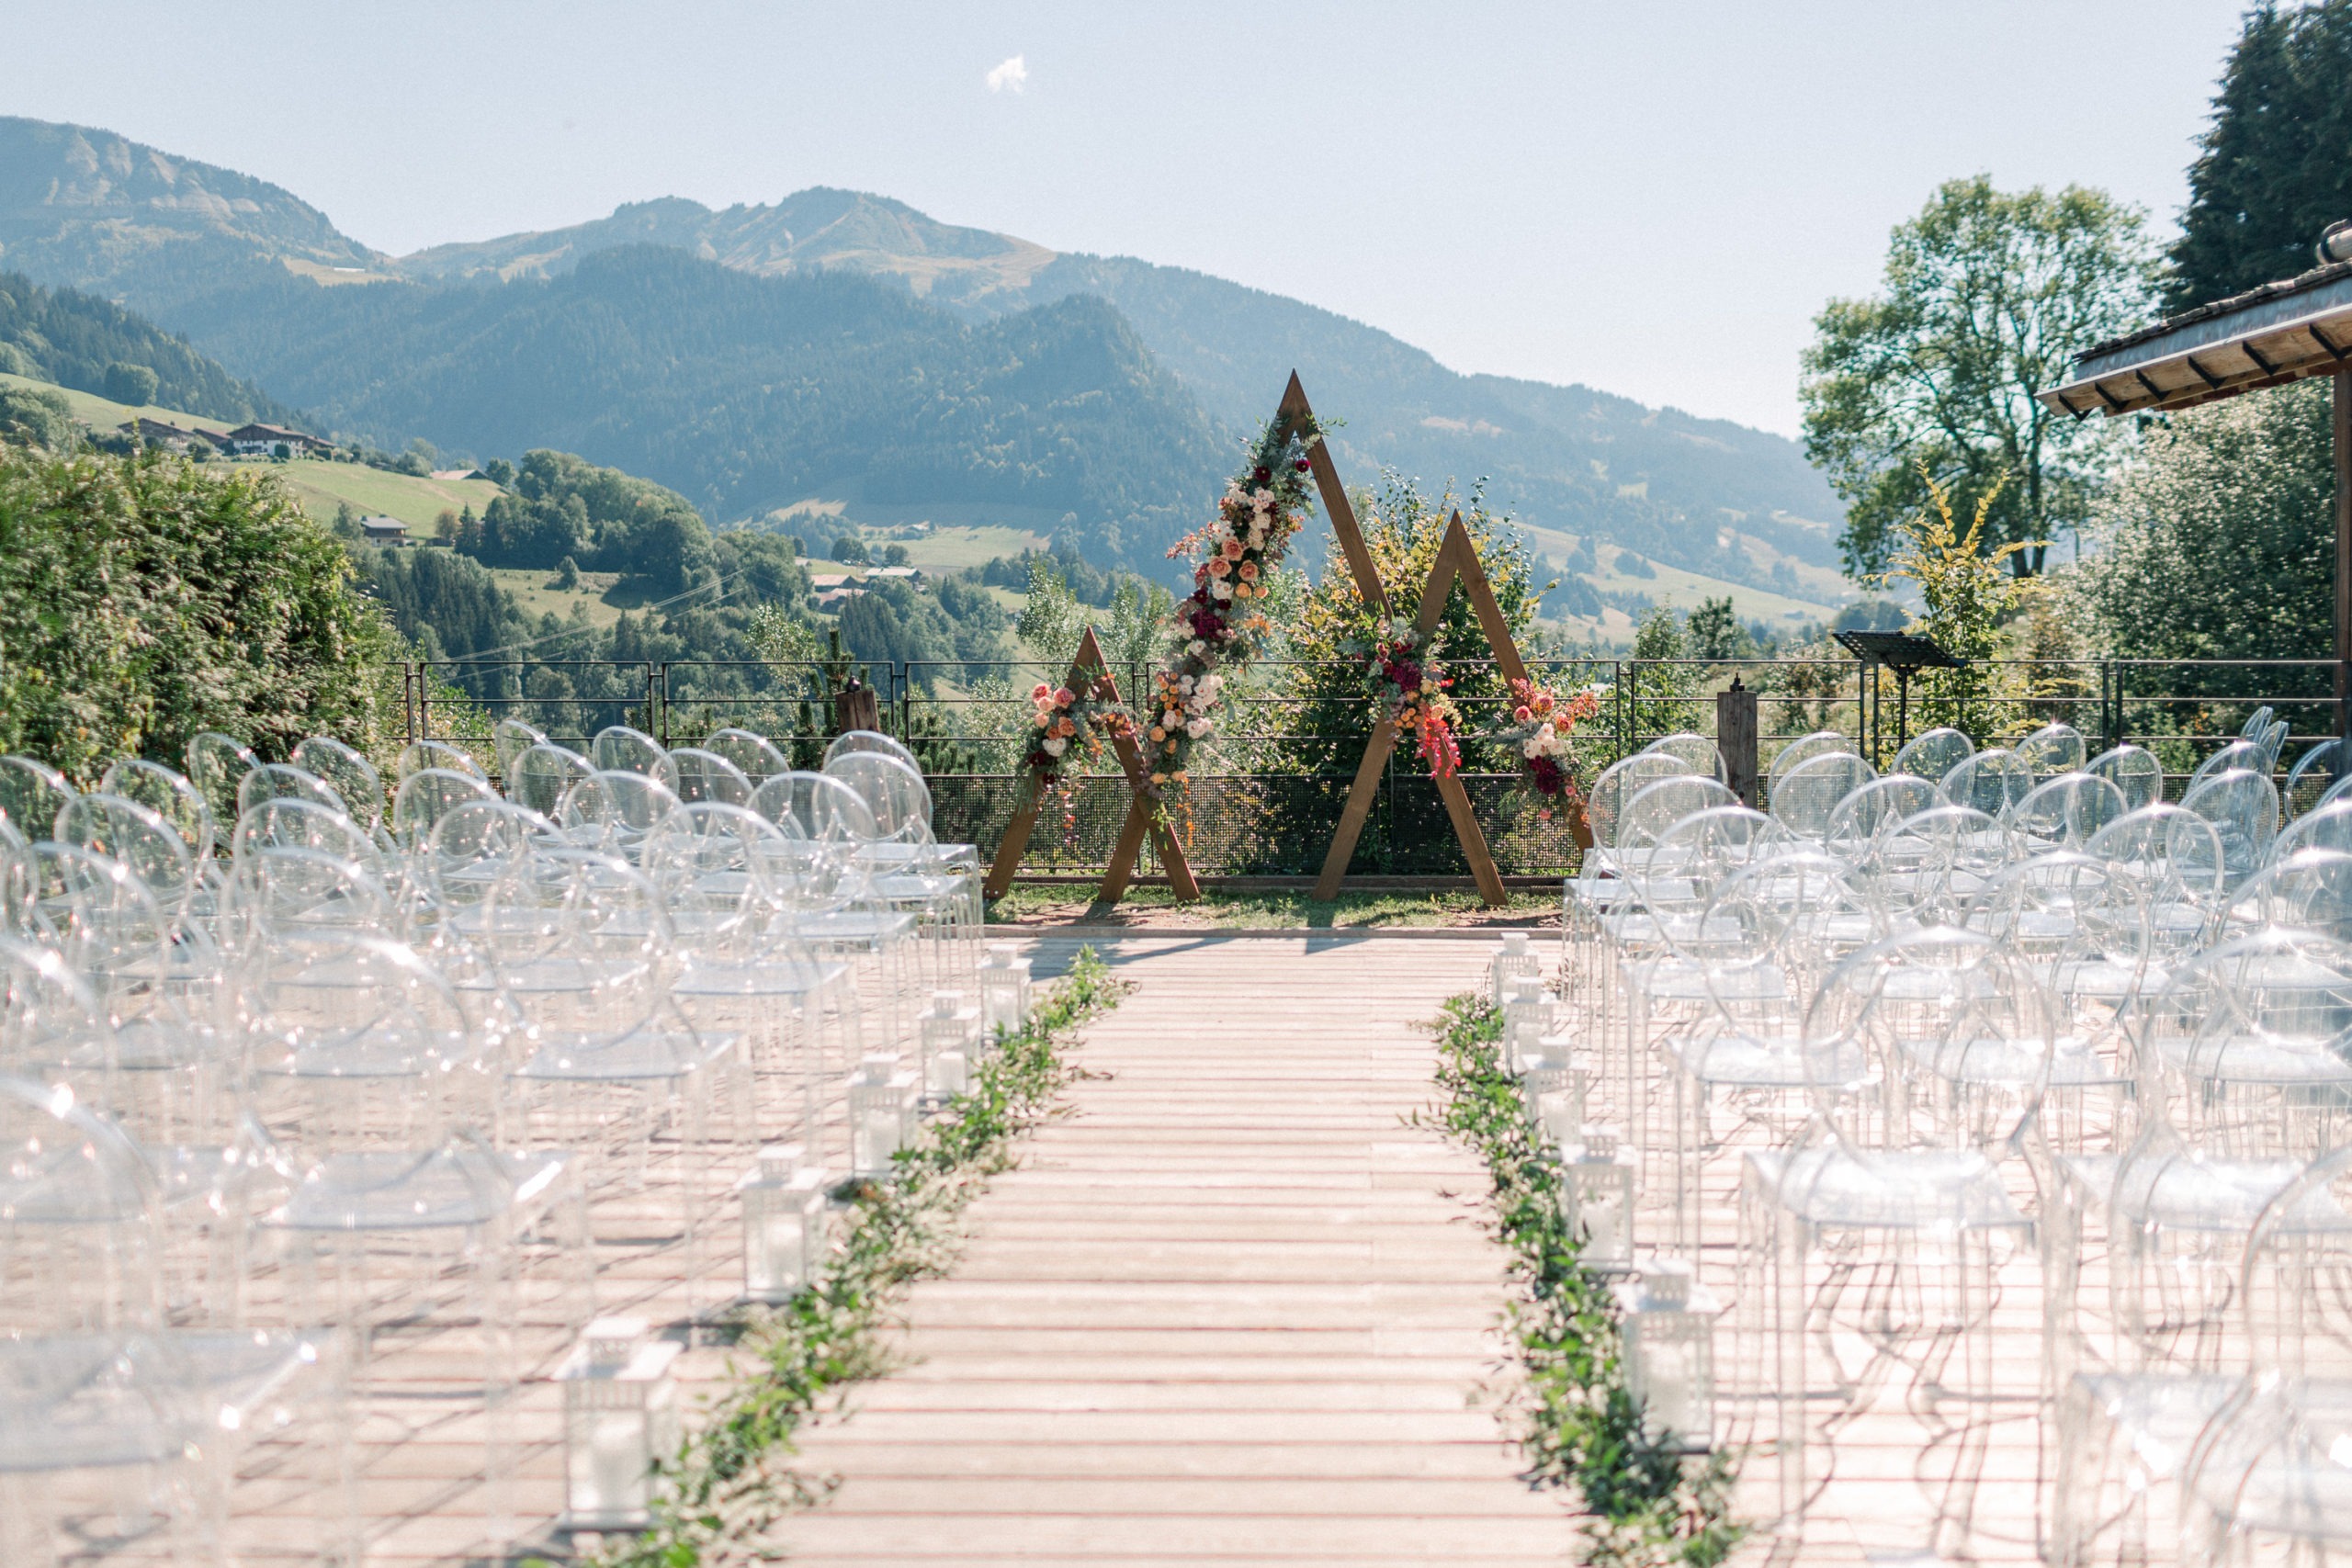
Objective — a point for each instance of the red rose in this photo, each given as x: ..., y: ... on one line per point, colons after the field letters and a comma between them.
x: 1301, y: 464
x: 1261, y: 475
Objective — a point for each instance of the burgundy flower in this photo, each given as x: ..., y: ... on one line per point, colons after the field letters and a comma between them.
x: 1407, y: 676
x: 1301, y: 464
x: 1549, y: 778
x: 1262, y: 475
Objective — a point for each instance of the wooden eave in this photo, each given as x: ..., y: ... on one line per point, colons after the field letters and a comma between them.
x: 2273, y: 338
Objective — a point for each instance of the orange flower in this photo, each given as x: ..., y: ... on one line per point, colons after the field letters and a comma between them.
x: 1158, y: 733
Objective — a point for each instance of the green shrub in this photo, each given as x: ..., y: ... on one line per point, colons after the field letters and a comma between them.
x: 146, y: 599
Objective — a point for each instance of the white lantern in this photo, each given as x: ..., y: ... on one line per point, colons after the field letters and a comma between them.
x: 1554, y: 1093
x: 620, y: 1414
x: 1004, y: 991
x: 1513, y: 958
x: 1597, y: 1200
x: 950, y: 1033
x: 784, y: 1237
x: 1668, y: 1324
x: 1528, y: 1016
x: 881, y: 1113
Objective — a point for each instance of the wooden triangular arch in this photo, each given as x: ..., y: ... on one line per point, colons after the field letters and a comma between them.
x: 1457, y: 558
x: 1090, y: 673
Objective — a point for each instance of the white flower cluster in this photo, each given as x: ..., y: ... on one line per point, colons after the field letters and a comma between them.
x: 1233, y: 536
x: 1192, y: 698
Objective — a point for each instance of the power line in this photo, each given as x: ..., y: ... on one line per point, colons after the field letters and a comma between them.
x: 575, y: 631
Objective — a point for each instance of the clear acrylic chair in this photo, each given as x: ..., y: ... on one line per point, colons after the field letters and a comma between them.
x: 353, y: 777
x: 619, y: 749
x: 2245, y: 754
x: 1932, y: 754
x: 755, y: 756
x: 217, y: 764
x: 872, y: 741
x: 1805, y: 748
x: 1856, y: 821
x: 31, y: 794
x: 509, y: 739
x: 2243, y: 806
x: 427, y: 795
x: 1873, y: 1246
x: 706, y: 775
x: 2065, y: 811
x: 612, y: 812
x: 419, y: 755
x: 2133, y: 769
x: 283, y: 781
x: 2328, y: 827
x: 542, y: 775
x: 171, y: 796
x: 2314, y: 774
x: 1992, y: 782
x: 1804, y: 797
x: 2052, y: 750
x: 1697, y: 751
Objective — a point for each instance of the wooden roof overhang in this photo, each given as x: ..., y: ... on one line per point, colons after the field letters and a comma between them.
x: 2266, y: 337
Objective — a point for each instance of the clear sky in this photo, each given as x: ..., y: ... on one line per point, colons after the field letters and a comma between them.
x: 1651, y: 198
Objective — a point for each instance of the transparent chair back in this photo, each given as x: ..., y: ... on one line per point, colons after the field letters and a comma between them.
x: 427, y: 795
x: 542, y: 775
x: 1933, y: 754
x: 2237, y: 754
x: 31, y: 794
x: 823, y: 808
x: 2133, y: 769
x: 617, y: 749
x: 283, y: 781
x: 352, y: 776
x: 2314, y: 774
x: 510, y: 738
x: 2307, y: 892
x: 855, y: 741
x: 150, y: 847
x: 1619, y: 783
x: 1649, y: 815
x: 2177, y: 859
x: 755, y: 756
x: 217, y: 764
x: 419, y: 755
x: 706, y: 776
x: 2243, y: 806
x: 611, y: 812
x: 1805, y: 748
x: 1990, y: 782
x: 1697, y: 751
x: 1803, y: 798
x: 304, y: 824
x: 2065, y: 811
x: 1856, y: 821
x: 171, y: 796
x: 80, y: 1253
x: 2052, y: 750
x: 2326, y: 827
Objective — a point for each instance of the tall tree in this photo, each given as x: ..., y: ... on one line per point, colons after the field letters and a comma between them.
x: 2276, y: 165
x: 1989, y: 295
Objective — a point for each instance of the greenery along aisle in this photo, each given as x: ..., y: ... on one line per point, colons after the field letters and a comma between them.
x: 730, y: 1479
x: 1580, y: 1426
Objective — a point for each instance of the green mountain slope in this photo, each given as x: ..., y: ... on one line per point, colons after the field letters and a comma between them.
x: 748, y: 393
x: 217, y: 255
x: 72, y: 339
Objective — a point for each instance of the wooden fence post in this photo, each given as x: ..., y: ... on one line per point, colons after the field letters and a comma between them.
x: 1735, y: 739
x: 856, y: 708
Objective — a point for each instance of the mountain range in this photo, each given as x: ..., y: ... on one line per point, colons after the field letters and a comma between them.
x: 843, y: 345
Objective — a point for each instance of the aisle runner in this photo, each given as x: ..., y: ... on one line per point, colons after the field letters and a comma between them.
x: 1232, y: 1309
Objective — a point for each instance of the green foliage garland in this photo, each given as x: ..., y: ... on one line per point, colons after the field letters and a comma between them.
x: 729, y: 1481
x: 1649, y: 1506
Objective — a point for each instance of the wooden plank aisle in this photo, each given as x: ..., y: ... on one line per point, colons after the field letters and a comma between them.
x: 1231, y: 1309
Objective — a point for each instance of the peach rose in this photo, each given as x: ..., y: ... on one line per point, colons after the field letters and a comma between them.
x: 1233, y: 550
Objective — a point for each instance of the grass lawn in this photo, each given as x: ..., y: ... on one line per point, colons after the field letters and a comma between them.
x: 373, y: 491
x: 102, y: 414
x: 1049, y: 904
x: 532, y: 589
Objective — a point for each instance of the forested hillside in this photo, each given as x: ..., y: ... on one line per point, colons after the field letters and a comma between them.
x: 78, y: 341
x: 746, y: 393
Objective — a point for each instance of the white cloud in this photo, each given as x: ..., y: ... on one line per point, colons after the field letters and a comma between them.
x: 1010, y: 77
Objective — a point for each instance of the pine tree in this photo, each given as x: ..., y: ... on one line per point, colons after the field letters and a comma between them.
x: 2276, y: 169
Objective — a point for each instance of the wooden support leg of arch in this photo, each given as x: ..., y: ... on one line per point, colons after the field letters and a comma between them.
x: 1457, y: 559
x: 1090, y: 672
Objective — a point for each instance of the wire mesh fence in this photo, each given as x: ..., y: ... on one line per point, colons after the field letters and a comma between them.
x: 1275, y: 777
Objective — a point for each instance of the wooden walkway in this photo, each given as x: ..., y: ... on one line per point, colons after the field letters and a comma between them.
x: 1233, y: 1308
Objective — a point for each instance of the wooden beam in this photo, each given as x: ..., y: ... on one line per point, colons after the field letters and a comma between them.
x: 2343, y: 554
x: 1336, y: 504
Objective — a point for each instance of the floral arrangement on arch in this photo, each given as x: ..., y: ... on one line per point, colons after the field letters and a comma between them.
x: 1543, y: 725
x: 1063, y: 722
x: 1408, y: 673
x: 1220, y: 626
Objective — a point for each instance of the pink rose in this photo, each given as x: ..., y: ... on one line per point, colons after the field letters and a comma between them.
x: 1063, y: 697
x: 1233, y: 550
x: 1040, y: 693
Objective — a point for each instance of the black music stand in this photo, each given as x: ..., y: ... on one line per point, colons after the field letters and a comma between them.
x: 1903, y: 654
